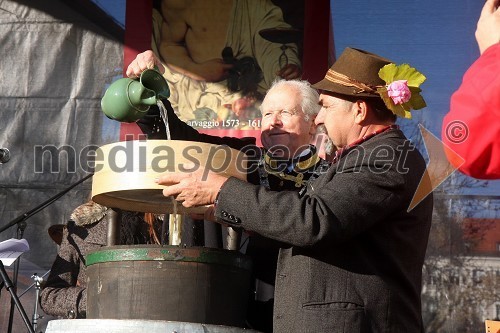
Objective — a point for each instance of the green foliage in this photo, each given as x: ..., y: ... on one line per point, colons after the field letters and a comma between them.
x: 392, y: 72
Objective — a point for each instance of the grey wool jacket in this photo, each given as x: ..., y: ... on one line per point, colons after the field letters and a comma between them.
x: 354, y: 254
x: 64, y: 294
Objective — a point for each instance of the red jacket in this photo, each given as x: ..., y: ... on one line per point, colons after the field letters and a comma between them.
x: 472, y: 127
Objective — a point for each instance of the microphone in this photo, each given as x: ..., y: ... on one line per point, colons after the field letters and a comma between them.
x: 4, y: 155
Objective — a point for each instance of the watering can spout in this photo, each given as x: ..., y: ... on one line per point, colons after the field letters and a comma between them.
x: 128, y: 100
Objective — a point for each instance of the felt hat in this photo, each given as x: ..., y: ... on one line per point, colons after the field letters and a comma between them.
x: 361, y: 67
x: 359, y: 73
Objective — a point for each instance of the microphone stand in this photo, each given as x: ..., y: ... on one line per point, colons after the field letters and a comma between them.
x: 38, y: 286
x: 21, y: 225
x: 11, y: 289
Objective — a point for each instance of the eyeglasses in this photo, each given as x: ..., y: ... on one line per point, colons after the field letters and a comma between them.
x: 281, y: 114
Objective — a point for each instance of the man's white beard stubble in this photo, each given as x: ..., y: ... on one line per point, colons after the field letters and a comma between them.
x: 329, y: 147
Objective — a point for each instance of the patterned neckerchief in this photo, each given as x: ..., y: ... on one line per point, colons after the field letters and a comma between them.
x: 291, y: 170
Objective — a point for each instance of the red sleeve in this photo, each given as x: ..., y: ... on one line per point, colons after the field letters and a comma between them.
x: 471, y: 129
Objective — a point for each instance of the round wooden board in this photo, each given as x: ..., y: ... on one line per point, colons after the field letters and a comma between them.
x: 125, y: 172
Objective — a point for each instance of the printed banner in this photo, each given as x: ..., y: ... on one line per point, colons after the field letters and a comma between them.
x: 221, y: 56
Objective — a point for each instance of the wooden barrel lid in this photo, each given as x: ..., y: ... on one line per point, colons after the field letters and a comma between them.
x: 125, y: 172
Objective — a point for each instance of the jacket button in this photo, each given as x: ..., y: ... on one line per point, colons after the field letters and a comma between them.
x: 224, y: 213
x: 231, y: 217
x: 237, y: 220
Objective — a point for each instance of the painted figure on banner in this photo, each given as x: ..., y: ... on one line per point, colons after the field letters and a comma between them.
x: 221, y: 56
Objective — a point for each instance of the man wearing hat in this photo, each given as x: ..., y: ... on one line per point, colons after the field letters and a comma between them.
x: 355, y: 240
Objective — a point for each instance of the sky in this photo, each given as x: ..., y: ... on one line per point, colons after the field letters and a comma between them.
x: 115, y: 8
x: 435, y: 37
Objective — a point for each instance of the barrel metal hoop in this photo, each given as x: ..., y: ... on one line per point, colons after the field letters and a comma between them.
x: 169, y: 253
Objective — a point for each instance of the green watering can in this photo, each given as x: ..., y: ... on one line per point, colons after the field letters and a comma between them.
x: 128, y: 100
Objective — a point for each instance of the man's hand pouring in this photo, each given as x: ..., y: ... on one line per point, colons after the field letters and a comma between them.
x: 197, y: 186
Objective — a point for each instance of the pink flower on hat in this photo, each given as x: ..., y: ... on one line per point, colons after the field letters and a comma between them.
x: 399, y: 92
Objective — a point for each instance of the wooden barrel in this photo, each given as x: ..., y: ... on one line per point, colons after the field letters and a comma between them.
x: 197, y: 285
x: 125, y: 171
